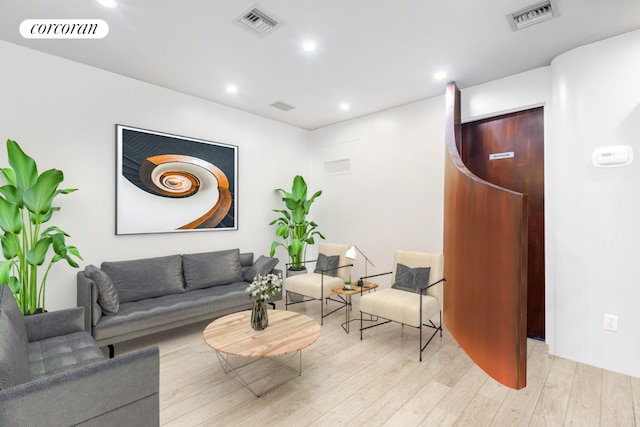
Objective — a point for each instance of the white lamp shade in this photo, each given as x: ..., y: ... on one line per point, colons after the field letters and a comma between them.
x: 351, y: 253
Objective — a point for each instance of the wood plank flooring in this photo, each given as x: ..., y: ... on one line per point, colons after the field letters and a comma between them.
x: 380, y: 382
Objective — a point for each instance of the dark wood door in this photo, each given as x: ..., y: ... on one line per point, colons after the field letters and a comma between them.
x: 509, y: 151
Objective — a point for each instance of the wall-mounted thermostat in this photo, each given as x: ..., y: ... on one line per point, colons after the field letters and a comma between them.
x: 612, y: 156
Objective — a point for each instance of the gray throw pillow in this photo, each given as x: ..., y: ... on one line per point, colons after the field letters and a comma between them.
x: 107, y: 293
x: 327, y: 263
x: 411, y: 279
x: 208, y: 269
x: 246, y: 259
x: 96, y: 310
x: 261, y: 267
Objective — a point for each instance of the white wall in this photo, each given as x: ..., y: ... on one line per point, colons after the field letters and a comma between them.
x: 596, y: 102
x: 64, y: 114
x: 393, y: 196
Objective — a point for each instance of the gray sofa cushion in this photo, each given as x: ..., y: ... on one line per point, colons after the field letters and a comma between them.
x: 107, y: 293
x: 9, y: 305
x: 62, y: 353
x: 261, y: 267
x: 14, y: 364
x: 146, y: 278
x: 208, y: 269
x: 154, y: 312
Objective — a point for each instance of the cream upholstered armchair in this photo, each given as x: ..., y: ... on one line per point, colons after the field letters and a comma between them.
x: 415, y: 297
x: 332, y: 268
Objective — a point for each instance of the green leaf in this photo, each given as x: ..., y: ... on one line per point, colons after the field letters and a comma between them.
x: 299, y: 188
x: 26, y: 171
x: 66, y: 191
x: 296, y: 247
x: 75, y: 252
x: 12, y: 194
x: 71, y: 262
x: 57, y: 240
x: 291, y: 203
x: 54, y: 229
x: 39, y: 197
x: 298, y: 214
x: 9, y: 176
x: 15, y: 285
x: 10, y: 246
x: 37, y: 254
x: 10, y: 217
x: 283, y: 231
x: 274, y: 245
x: 5, y: 271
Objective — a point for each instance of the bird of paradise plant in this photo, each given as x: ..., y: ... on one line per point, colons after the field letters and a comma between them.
x: 26, y: 204
x: 293, y: 226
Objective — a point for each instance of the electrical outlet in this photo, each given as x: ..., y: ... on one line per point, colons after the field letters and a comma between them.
x: 610, y: 322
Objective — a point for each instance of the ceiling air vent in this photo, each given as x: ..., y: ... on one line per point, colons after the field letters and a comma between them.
x: 258, y: 22
x: 533, y: 14
x: 282, y: 106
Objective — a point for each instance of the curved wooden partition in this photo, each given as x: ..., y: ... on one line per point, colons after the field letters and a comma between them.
x: 485, y: 252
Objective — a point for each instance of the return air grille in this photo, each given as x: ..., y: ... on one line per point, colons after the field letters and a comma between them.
x: 531, y: 15
x: 282, y: 106
x: 257, y: 21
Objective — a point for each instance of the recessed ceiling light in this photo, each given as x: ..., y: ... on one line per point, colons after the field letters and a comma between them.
x: 309, y: 47
x: 440, y: 75
x: 108, y: 3
x: 344, y: 106
x: 232, y: 88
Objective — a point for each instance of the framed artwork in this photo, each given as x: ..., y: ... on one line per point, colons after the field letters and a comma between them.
x: 167, y: 183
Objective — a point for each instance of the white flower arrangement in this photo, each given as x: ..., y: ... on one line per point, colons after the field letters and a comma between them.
x: 265, y: 287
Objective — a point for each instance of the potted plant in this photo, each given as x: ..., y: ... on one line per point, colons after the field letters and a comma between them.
x: 292, y: 224
x: 26, y: 203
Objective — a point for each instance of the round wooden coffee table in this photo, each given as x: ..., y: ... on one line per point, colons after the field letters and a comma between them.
x: 288, y: 334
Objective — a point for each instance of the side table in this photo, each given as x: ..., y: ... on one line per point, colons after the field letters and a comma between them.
x: 345, y: 298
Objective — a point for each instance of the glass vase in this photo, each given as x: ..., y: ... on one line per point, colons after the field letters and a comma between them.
x: 259, y: 316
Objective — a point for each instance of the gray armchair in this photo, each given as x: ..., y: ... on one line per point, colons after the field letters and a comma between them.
x: 53, y: 373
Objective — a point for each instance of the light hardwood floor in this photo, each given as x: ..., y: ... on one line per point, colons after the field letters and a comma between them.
x: 380, y: 382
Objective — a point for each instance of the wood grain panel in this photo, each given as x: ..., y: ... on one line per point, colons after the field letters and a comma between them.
x: 521, y: 133
x: 485, y: 248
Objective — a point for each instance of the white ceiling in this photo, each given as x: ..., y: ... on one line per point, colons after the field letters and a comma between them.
x: 373, y: 54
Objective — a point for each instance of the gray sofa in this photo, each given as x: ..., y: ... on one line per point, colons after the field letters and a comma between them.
x: 52, y: 373
x: 124, y: 300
